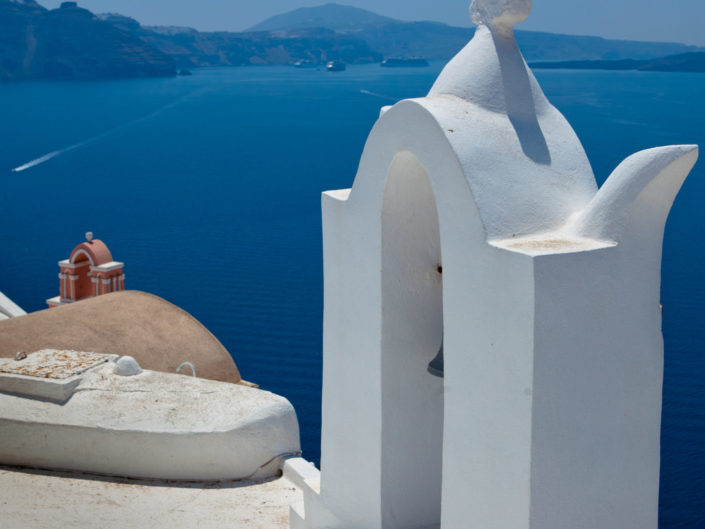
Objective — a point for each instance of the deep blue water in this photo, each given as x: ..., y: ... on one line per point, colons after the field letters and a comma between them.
x: 208, y: 187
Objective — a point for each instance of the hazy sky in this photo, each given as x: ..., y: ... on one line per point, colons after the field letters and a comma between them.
x: 663, y: 20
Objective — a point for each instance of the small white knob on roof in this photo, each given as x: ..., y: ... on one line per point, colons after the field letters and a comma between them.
x: 126, y: 366
x: 499, y: 13
x: 89, y: 236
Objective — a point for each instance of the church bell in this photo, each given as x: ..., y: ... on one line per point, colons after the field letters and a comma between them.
x: 435, y: 366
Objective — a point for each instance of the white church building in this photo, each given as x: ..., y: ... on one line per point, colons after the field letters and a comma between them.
x: 475, y: 225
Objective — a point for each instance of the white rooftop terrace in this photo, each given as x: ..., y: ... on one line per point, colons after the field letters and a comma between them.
x: 40, y: 500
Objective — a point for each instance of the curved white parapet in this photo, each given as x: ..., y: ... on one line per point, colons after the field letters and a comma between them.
x: 8, y: 308
x: 663, y: 168
x: 152, y: 425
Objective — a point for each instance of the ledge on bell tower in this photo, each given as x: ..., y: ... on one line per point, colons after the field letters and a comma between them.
x: 550, y: 243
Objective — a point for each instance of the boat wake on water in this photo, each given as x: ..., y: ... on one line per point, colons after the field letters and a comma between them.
x: 381, y: 96
x: 54, y: 154
x: 42, y: 159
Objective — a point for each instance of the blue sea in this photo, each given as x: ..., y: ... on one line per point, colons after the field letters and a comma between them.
x: 208, y: 188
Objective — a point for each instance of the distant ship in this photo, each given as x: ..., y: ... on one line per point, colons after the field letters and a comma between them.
x: 399, y: 62
x: 305, y: 64
x: 335, y: 66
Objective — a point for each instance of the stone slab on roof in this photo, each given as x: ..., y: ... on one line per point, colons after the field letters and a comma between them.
x: 50, y: 363
x: 159, y: 335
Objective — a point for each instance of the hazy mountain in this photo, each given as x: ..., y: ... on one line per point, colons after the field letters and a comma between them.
x: 435, y: 40
x: 71, y: 43
x: 334, y: 31
x: 331, y: 16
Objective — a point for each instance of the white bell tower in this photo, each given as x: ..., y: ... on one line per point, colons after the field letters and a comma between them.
x: 475, y: 221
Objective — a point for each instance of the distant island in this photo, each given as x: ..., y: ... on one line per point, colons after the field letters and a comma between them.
x: 73, y: 43
x: 684, y: 62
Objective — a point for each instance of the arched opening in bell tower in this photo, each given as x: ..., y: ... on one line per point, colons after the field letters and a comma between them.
x: 82, y: 286
x: 412, y: 333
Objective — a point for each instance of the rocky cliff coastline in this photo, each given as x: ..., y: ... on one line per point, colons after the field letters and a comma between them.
x: 71, y: 43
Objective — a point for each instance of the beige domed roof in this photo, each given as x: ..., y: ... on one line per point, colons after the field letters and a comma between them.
x: 159, y: 335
